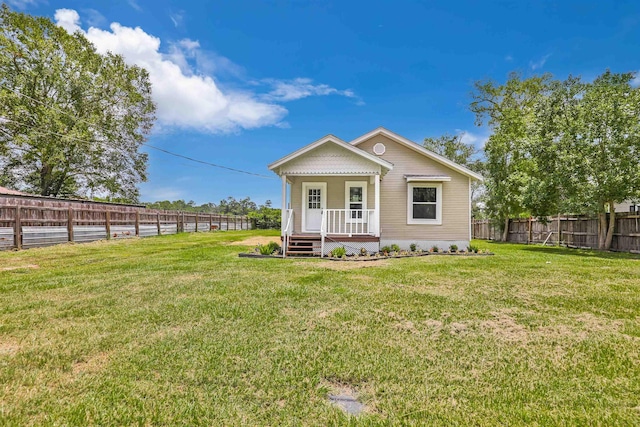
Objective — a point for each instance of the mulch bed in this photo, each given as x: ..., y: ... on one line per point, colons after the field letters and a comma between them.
x: 370, y: 258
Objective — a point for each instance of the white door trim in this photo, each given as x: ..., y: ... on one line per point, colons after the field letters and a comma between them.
x: 347, y: 186
x: 323, y: 201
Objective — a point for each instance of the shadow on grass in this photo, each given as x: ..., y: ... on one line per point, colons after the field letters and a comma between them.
x: 579, y: 252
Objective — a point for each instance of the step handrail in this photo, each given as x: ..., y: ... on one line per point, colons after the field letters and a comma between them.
x: 288, y: 231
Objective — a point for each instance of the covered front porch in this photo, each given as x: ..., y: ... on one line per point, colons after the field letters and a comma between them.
x: 330, y: 211
x: 330, y: 198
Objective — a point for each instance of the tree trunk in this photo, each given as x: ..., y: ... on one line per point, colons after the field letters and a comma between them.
x: 611, y: 228
x: 602, y: 229
x: 505, y: 232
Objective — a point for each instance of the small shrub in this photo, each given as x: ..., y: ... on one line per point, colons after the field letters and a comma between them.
x: 338, y: 252
x: 413, y: 247
x: 395, y: 248
x: 385, y: 249
x: 434, y: 248
x: 472, y: 249
x: 453, y: 248
x: 269, y: 248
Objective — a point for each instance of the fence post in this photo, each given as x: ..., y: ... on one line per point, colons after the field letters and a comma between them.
x: 235, y: 222
x: 17, y: 229
x: 158, y: 223
x: 138, y: 223
x: 219, y: 222
x: 70, y: 224
x: 529, y: 233
x: 559, y: 230
x: 107, y: 224
x: 196, y: 222
x: 210, y: 221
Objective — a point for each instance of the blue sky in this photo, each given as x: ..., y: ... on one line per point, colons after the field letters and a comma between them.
x: 242, y: 83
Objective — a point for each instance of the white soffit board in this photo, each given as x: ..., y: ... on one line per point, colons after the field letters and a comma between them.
x: 427, y: 178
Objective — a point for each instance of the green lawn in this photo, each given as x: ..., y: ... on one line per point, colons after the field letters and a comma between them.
x: 178, y: 330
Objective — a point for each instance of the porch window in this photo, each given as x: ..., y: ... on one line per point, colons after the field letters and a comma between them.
x: 424, y: 203
x: 355, y: 199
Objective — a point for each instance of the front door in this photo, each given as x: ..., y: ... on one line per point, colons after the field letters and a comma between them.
x: 314, y: 195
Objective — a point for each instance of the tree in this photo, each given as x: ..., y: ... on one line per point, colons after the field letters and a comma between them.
x: 455, y: 149
x: 265, y: 216
x: 71, y: 120
x: 590, y: 132
x: 561, y: 146
x: 509, y: 111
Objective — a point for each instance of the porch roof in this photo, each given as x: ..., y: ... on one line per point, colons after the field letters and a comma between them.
x: 330, y: 156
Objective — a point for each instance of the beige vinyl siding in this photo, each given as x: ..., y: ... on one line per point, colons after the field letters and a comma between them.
x: 393, y: 196
x: 335, y: 196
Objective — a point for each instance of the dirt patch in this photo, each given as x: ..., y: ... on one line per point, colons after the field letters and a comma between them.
x: 598, y: 324
x: 92, y: 364
x: 19, y: 267
x: 433, y: 324
x: 347, y: 397
x: 343, y: 266
x: 9, y: 347
x: 255, y: 241
x: 505, y: 327
x: 457, y: 328
x: 327, y: 313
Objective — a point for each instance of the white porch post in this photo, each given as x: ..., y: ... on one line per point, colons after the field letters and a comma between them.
x: 377, y: 205
x: 283, y: 212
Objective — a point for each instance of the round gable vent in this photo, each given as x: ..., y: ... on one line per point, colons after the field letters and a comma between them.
x: 379, y: 149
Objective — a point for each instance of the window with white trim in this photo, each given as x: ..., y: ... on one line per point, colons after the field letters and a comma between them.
x: 424, y: 203
x: 355, y: 193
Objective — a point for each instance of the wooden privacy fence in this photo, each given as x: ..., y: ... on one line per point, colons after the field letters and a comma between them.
x: 34, y: 226
x: 571, y: 231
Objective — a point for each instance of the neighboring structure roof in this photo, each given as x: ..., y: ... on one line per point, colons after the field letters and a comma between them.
x: 4, y: 190
x: 427, y: 178
x: 352, y: 159
x: 418, y: 148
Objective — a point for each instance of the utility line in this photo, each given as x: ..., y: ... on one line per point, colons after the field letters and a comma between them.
x: 142, y: 143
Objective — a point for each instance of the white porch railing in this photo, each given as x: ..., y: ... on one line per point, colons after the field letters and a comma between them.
x: 348, y: 222
x: 287, y: 232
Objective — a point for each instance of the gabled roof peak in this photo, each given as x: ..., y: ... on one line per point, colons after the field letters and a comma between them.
x: 416, y: 147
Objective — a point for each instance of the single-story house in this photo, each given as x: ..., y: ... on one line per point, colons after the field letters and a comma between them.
x: 377, y: 190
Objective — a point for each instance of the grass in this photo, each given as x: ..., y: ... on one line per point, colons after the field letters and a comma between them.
x: 178, y: 330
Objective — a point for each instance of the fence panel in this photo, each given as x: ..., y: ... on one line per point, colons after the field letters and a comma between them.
x: 572, y: 231
x: 55, y: 221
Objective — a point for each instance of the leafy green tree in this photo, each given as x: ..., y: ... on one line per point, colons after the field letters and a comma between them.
x: 561, y: 146
x: 266, y: 217
x: 509, y: 110
x: 72, y: 121
x: 589, y: 146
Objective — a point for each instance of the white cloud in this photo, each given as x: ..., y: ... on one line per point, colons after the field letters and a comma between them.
x: 22, y: 4
x: 177, y: 18
x: 290, y: 90
x: 473, y: 138
x: 539, y: 63
x: 508, y: 58
x: 636, y: 80
x: 68, y: 19
x: 184, y: 88
x: 134, y: 4
x: 183, y: 100
x: 94, y: 18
